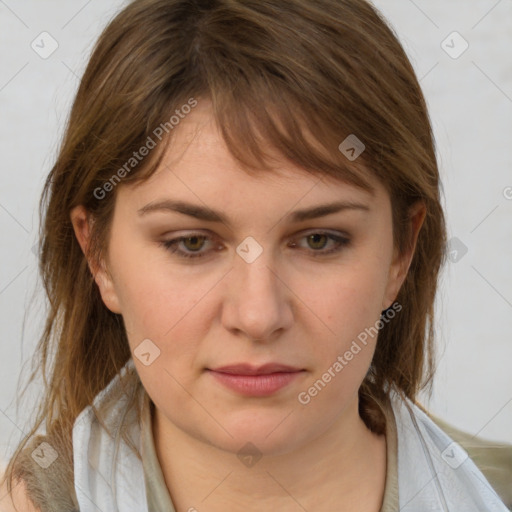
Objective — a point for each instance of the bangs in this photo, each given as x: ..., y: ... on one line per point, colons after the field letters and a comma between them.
x: 262, y: 120
x: 262, y: 124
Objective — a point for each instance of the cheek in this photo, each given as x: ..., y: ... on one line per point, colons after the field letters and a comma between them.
x: 169, y: 312
x: 161, y: 309
x: 348, y: 298
x: 150, y: 296
x: 169, y: 305
x: 348, y: 301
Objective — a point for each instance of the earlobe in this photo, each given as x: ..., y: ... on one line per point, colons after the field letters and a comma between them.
x: 107, y: 289
x: 401, y: 262
x: 82, y: 222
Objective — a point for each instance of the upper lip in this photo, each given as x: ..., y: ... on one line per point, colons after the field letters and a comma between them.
x: 247, y: 369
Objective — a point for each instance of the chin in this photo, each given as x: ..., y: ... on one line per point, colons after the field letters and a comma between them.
x: 268, y: 436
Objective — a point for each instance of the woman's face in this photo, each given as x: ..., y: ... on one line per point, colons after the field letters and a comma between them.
x: 284, y: 268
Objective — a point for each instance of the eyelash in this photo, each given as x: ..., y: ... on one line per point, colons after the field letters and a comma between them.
x: 170, y: 245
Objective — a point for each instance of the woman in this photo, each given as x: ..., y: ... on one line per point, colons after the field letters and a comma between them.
x: 241, y: 242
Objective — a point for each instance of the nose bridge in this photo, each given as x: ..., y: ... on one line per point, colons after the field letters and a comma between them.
x: 257, y: 303
x: 258, y: 277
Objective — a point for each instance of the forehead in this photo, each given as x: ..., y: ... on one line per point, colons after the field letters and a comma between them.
x: 198, y: 166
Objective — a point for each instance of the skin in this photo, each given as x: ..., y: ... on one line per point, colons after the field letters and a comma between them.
x: 290, y: 306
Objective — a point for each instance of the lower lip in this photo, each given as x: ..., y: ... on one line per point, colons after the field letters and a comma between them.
x: 256, y: 385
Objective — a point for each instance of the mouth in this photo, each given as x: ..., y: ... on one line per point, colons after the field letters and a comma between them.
x: 248, y: 369
x: 259, y: 381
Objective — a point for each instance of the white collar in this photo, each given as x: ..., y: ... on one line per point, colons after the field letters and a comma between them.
x: 109, y: 477
x: 434, y: 472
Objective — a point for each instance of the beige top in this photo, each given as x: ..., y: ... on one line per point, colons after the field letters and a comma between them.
x: 158, y: 495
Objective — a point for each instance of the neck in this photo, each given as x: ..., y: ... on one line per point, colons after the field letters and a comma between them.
x: 347, y: 463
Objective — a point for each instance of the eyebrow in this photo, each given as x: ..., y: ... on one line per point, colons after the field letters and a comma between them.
x: 209, y: 215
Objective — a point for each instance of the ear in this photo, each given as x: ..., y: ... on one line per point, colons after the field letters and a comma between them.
x: 401, y: 262
x: 82, y: 223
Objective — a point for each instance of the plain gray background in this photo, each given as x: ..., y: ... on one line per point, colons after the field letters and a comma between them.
x: 470, y: 101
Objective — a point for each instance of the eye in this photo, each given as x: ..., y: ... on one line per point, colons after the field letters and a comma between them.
x: 192, y: 244
x: 197, y: 245
x: 318, y: 241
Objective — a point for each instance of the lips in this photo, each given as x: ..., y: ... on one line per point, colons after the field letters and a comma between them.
x: 247, y: 369
x: 256, y: 381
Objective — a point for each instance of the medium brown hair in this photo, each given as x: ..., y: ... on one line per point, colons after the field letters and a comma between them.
x: 297, y: 76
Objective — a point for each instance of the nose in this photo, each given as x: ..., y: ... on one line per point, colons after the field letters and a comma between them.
x: 257, y: 303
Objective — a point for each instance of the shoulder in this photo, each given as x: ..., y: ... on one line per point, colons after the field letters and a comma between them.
x: 42, y: 478
x: 493, y: 459
x: 17, y: 500
x: 473, y: 471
